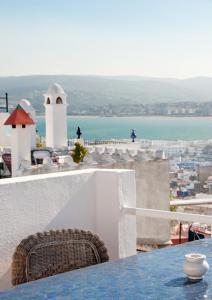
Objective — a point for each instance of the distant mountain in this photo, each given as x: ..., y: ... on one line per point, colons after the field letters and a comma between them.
x: 86, y: 91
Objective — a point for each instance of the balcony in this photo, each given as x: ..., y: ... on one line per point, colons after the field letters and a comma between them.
x: 104, y: 202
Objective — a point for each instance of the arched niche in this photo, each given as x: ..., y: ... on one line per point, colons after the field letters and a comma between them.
x: 59, y: 100
x: 48, y: 101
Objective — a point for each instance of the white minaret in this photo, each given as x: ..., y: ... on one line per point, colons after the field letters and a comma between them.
x: 26, y: 105
x: 56, y: 116
x: 20, y: 138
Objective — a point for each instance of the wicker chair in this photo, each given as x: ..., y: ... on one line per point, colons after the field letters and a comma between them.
x: 49, y: 253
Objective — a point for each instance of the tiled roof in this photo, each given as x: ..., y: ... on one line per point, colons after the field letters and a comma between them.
x: 19, y: 117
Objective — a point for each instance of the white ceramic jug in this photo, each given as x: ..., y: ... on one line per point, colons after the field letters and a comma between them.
x: 195, y: 266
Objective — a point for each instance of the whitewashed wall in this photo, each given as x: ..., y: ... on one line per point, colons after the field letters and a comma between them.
x: 152, y: 192
x: 86, y: 199
x: 4, y: 135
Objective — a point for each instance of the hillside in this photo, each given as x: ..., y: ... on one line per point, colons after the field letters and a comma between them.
x: 88, y: 91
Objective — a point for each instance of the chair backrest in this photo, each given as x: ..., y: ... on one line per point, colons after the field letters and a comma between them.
x: 49, y: 253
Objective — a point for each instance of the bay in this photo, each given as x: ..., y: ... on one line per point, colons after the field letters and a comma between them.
x: 162, y: 128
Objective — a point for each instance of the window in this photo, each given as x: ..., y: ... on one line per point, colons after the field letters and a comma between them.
x: 13, y: 126
x: 59, y: 101
x: 48, y: 101
x: 23, y: 126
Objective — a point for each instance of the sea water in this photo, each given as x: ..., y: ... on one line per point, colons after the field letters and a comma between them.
x: 167, y: 128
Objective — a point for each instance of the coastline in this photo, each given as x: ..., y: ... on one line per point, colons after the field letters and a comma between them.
x: 152, y: 128
x: 140, y: 117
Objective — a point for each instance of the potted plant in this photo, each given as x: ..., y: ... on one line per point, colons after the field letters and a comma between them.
x: 79, y: 152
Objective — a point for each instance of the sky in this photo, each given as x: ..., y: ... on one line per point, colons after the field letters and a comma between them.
x: 158, y: 38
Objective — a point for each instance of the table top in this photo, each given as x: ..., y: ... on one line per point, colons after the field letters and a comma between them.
x: 154, y: 275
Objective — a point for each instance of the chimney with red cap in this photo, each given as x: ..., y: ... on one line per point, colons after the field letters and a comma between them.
x: 20, y: 122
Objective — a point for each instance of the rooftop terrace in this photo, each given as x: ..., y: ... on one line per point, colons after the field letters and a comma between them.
x: 104, y: 202
x: 154, y: 275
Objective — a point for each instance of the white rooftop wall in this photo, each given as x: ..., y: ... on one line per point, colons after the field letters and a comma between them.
x: 86, y: 199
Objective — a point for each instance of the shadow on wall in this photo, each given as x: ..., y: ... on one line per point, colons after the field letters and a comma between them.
x: 81, y: 203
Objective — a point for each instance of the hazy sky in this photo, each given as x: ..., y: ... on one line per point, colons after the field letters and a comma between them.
x: 164, y: 38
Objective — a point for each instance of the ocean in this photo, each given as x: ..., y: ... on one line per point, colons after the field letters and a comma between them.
x: 161, y: 128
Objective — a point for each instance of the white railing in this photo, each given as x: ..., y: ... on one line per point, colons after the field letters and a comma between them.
x: 193, y: 201
x: 167, y: 215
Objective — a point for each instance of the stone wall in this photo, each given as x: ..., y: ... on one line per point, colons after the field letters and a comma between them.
x: 152, y: 191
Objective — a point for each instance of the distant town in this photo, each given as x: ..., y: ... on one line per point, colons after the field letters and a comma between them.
x: 179, y: 109
x: 158, y: 109
x: 116, y: 96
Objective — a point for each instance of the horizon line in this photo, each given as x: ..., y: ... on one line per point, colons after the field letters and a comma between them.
x: 104, y: 75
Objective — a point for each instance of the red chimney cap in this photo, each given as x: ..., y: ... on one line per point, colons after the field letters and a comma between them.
x: 19, y: 117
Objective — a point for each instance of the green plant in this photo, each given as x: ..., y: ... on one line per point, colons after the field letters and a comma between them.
x: 173, y: 208
x: 79, y: 152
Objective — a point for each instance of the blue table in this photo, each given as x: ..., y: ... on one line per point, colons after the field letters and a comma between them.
x: 153, y: 275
